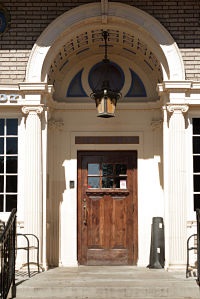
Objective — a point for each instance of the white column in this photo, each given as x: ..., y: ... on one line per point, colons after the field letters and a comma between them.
x: 33, y: 173
x: 176, y: 187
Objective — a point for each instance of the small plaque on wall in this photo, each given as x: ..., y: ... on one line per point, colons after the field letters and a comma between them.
x: 71, y: 184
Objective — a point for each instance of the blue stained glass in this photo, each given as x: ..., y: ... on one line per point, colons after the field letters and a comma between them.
x: 137, y: 88
x: 3, y: 22
x: 75, y: 88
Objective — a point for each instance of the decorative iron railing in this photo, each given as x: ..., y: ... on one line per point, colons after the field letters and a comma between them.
x: 198, y: 246
x: 7, y: 255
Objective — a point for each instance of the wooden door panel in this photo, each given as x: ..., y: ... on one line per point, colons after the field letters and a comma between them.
x: 118, y: 224
x: 106, y: 257
x: 107, y: 222
x: 95, y: 222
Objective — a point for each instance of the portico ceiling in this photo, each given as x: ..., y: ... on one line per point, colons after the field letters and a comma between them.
x: 85, y: 48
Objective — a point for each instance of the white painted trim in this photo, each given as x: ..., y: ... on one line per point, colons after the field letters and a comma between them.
x: 69, y: 224
x: 119, y: 13
x: 44, y: 186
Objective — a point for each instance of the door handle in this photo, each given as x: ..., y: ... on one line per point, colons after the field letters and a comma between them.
x: 85, y: 212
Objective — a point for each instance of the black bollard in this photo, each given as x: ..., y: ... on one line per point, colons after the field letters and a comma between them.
x: 157, y: 251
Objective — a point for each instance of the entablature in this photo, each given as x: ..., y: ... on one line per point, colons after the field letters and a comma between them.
x: 179, y: 92
x: 23, y: 93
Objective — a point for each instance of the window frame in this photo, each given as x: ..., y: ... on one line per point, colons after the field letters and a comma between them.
x: 103, y: 177
x: 4, y: 193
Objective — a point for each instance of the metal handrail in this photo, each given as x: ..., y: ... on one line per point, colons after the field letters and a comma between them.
x: 7, y: 255
x: 198, y: 246
x: 194, y: 247
x: 28, y: 247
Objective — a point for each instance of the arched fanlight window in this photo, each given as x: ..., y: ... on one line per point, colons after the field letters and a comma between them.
x: 75, y: 88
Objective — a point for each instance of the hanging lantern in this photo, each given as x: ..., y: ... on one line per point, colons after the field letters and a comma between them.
x: 104, y: 94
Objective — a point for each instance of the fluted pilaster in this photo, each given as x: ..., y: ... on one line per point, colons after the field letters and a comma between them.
x: 33, y: 172
x: 177, y: 186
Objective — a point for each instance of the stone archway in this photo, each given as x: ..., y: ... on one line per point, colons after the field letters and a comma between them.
x: 117, y: 15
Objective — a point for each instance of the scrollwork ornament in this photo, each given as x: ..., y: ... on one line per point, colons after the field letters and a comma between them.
x: 156, y: 124
x: 55, y: 124
x: 177, y: 108
x: 32, y: 110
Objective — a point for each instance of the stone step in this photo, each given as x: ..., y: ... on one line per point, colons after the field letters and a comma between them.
x: 108, y: 283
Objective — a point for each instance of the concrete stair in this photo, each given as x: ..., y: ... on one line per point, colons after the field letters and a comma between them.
x: 105, y: 282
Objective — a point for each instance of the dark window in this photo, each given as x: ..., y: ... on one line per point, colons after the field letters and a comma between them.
x: 196, y: 162
x: 107, y: 175
x: 196, y: 126
x: 8, y: 164
x: 137, y: 88
x: 76, y: 88
x: 2, y: 127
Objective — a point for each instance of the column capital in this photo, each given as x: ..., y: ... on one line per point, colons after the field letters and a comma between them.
x: 32, y: 109
x: 177, y: 108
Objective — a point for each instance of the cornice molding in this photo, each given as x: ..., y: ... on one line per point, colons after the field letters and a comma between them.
x: 178, y: 86
x: 26, y: 88
x: 36, y: 88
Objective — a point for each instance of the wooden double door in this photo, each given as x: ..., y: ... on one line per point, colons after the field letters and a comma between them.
x: 107, y: 208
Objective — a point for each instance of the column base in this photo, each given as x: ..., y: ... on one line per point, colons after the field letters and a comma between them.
x: 70, y: 264
x: 176, y: 267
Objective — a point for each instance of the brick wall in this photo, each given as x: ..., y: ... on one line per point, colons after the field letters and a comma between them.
x: 30, y: 18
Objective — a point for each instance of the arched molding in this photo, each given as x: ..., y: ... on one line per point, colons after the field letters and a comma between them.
x: 118, y: 14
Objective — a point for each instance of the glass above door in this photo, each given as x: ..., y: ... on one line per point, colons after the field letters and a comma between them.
x: 107, y: 175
